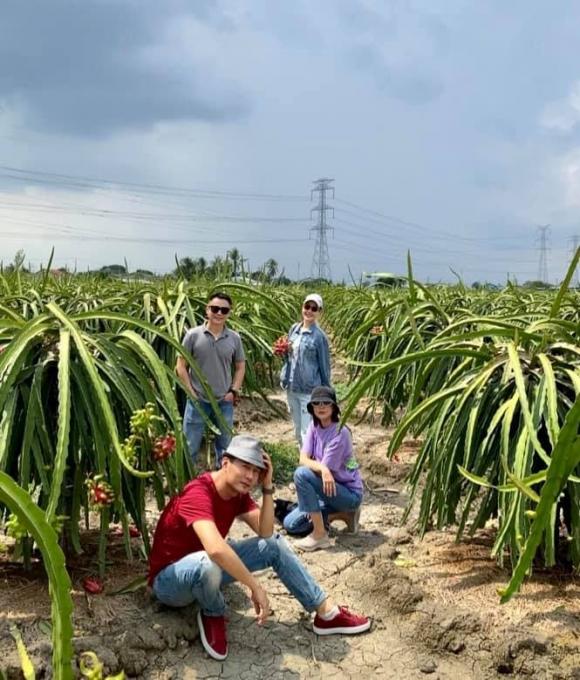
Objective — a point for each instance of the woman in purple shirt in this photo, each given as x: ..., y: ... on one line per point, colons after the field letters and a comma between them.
x: 328, y: 482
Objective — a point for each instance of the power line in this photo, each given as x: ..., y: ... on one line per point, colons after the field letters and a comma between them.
x: 79, y: 181
x: 64, y: 236
x: 434, y: 232
x: 407, y: 244
x: 176, y: 217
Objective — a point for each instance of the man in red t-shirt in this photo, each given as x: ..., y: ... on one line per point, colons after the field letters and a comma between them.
x: 191, y: 561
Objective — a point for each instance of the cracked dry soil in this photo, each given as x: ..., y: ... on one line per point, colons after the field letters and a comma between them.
x: 433, y: 603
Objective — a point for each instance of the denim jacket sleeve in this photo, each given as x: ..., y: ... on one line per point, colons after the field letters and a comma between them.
x: 285, y: 370
x: 324, y: 359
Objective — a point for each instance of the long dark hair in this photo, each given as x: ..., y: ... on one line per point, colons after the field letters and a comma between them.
x: 334, y: 417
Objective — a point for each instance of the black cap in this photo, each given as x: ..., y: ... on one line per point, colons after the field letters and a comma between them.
x: 324, y: 394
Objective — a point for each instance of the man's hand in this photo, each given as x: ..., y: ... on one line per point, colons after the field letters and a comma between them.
x: 230, y: 396
x: 328, y: 483
x: 261, y: 604
x: 268, y: 473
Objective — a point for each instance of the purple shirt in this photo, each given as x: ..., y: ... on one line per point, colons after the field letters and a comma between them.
x: 333, y: 447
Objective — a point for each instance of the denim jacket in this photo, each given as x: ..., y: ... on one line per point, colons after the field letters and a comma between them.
x: 312, y: 363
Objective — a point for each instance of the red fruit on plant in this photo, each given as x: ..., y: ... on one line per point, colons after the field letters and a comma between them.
x: 100, y: 492
x: 93, y: 585
x: 281, y: 346
x: 163, y: 447
x: 133, y: 531
x: 100, y: 496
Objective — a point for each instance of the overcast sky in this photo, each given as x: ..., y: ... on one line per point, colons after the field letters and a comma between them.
x: 141, y: 129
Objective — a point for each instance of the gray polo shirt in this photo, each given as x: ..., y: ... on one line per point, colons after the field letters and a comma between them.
x: 215, y: 357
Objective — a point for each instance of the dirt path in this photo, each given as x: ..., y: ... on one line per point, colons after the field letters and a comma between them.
x: 427, y: 620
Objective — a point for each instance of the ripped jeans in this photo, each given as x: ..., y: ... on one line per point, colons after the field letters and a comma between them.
x: 196, y: 578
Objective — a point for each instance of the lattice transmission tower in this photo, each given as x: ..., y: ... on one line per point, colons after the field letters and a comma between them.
x: 321, y: 258
x: 543, y: 233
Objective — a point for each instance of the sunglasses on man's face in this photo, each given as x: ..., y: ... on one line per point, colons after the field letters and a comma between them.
x: 321, y: 403
x: 311, y: 307
x: 216, y: 309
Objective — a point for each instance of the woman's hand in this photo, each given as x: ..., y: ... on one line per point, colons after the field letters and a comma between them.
x: 328, y: 483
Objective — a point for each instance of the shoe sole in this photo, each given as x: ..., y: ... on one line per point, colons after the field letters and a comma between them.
x: 346, y: 630
x: 208, y: 648
x: 318, y: 546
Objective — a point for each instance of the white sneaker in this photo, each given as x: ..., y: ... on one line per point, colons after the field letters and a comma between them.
x: 309, y: 544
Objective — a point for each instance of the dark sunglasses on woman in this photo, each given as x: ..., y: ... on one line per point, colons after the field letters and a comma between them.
x: 215, y: 309
x: 311, y: 307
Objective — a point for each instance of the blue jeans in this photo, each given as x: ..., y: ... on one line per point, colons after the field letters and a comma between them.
x: 194, y: 426
x: 297, y: 402
x: 196, y: 578
x: 311, y: 498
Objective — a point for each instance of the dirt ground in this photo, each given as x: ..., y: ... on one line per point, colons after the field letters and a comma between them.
x: 434, y: 602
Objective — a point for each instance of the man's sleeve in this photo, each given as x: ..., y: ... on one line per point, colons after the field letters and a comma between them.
x: 196, y: 505
x: 324, y: 360
x: 247, y: 504
x: 239, y: 353
x: 188, y: 341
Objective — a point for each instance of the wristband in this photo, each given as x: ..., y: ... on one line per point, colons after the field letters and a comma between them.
x: 233, y: 391
x: 267, y: 492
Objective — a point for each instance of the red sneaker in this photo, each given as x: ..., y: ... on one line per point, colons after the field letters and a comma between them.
x: 212, y: 630
x: 345, y: 623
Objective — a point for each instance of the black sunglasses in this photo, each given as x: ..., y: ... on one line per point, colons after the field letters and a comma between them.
x: 321, y: 403
x: 222, y: 310
x: 311, y: 306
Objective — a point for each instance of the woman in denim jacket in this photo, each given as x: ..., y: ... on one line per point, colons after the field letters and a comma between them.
x: 307, y: 365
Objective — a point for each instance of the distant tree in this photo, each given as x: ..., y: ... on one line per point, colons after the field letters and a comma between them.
x: 114, y: 270
x: 17, y: 264
x: 537, y: 284
x: 234, y: 256
x: 478, y: 285
x: 185, y: 267
x: 315, y: 282
x: 271, y: 268
x: 200, y: 265
x: 219, y: 268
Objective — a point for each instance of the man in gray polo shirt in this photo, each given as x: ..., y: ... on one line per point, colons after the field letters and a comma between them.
x: 216, y: 349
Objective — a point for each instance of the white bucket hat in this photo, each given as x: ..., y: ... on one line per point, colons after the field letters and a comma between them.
x: 246, y: 448
x: 313, y: 297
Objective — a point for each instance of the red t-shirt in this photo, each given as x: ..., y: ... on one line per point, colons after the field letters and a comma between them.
x: 175, y: 537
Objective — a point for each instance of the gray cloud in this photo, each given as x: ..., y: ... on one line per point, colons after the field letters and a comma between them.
x: 93, y: 68
x: 396, y: 46
x: 410, y: 83
x: 433, y: 112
